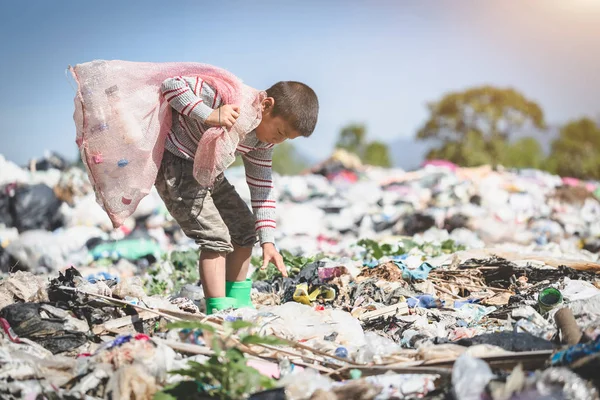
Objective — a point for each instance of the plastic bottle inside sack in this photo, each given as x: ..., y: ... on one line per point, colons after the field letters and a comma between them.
x: 125, y: 124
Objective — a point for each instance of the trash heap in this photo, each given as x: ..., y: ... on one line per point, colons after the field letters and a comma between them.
x: 341, y: 202
x: 441, y: 283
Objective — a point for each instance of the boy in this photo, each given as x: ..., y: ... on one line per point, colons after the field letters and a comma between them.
x: 218, y: 219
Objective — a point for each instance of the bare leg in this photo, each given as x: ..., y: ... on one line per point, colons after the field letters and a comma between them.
x: 238, y: 263
x: 212, y: 274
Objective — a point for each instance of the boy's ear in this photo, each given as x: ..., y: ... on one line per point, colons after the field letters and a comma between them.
x: 267, y: 104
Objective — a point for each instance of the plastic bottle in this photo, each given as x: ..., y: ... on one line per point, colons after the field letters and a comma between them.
x: 125, y: 124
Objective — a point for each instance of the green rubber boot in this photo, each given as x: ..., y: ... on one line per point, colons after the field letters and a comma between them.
x: 240, y: 291
x: 214, y: 304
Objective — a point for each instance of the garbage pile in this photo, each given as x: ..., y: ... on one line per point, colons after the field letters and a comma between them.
x: 438, y: 283
x: 341, y: 202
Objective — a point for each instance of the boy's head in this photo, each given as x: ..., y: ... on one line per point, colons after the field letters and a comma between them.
x: 290, y: 110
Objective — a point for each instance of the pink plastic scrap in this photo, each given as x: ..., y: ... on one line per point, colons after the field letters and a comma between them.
x: 574, y: 182
x: 568, y: 181
x: 441, y: 163
x: 122, y: 119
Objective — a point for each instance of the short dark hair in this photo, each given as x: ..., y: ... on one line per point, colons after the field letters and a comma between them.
x: 297, y: 104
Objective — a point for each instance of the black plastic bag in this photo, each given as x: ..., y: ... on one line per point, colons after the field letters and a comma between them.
x: 509, y: 341
x: 35, y: 207
x: 417, y: 223
x: 5, y: 215
x: 51, y: 161
x: 26, y: 321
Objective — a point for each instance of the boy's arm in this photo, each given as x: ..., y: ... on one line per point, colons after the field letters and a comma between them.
x: 185, y: 94
x: 259, y: 176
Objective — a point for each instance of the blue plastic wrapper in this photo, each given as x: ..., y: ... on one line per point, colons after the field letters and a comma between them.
x: 118, y: 341
x: 459, y: 304
x: 371, y: 264
x: 418, y: 274
x: 425, y: 301
x: 101, y: 276
x: 577, y: 352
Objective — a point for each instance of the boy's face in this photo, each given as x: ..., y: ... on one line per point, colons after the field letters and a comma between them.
x: 273, y: 130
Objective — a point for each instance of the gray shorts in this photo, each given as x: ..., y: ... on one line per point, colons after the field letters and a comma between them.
x: 214, y: 218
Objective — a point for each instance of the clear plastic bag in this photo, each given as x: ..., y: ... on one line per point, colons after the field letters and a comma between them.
x: 470, y: 376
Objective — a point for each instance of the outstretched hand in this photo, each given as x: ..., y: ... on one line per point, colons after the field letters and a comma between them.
x: 270, y: 254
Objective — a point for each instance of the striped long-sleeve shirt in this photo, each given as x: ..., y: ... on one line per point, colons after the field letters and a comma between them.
x: 194, y: 100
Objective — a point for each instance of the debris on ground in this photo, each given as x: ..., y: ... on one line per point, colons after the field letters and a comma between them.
x: 439, y: 283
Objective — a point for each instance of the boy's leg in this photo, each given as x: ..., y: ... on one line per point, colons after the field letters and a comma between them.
x: 212, y: 236
x: 212, y: 273
x: 240, y: 222
x: 194, y: 210
x: 238, y: 263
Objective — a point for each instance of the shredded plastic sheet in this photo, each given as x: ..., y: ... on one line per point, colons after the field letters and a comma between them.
x: 122, y: 120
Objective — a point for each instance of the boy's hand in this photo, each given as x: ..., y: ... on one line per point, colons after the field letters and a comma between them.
x: 270, y: 254
x: 223, y: 116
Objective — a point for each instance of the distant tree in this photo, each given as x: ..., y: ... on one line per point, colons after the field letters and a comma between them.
x: 377, y: 154
x: 478, y: 120
x: 524, y: 153
x: 353, y: 138
x: 576, y: 152
x: 469, y: 152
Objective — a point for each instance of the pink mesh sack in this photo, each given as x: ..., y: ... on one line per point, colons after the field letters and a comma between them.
x: 122, y: 120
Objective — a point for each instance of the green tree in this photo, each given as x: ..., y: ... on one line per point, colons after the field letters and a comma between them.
x: 353, y: 139
x: 471, y: 151
x: 524, y: 153
x: 478, y: 120
x: 576, y: 152
x: 377, y: 154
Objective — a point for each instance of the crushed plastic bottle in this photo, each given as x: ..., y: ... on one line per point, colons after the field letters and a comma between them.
x: 285, y: 367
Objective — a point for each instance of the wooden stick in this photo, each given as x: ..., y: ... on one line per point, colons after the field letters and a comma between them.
x: 291, y: 343
x: 446, y: 291
x: 493, y: 289
x: 315, y: 351
x: 197, y: 317
x: 318, y: 367
x: 120, y: 302
x: 377, y: 370
x: 121, y: 322
x: 190, y: 348
x: 540, y: 356
x: 186, y: 347
x: 395, y: 309
x: 514, y: 256
x: 289, y: 353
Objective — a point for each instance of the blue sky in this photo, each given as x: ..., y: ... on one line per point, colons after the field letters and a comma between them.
x: 375, y: 62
